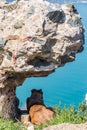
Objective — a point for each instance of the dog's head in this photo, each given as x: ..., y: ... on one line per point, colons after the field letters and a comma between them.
x: 37, y: 93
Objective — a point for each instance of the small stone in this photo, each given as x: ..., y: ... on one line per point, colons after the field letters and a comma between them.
x: 9, y: 56
x: 1, y: 58
x: 3, y: 42
x: 50, y: 7
x: 25, y: 119
x: 18, y: 25
x: 31, y: 11
x: 70, y: 21
x: 37, y: 40
x: 71, y: 7
x: 11, y: 7
x: 56, y: 16
x: 30, y: 127
x: 74, y: 23
x: 2, y: 72
x: 77, y: 22
x: 13, y: 37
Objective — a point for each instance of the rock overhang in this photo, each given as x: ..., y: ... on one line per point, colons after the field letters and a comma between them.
x: 37, y: 37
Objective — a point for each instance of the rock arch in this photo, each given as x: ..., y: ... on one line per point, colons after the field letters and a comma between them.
x: 35, y: 39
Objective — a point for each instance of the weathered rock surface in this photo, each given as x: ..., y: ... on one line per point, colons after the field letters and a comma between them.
x: 66, y: 126
x: 36, y: 37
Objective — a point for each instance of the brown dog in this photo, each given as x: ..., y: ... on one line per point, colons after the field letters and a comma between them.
x: 39, y: 114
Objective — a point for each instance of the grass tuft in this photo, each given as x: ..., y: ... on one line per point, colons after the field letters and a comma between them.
x: 62, y: 115
x: 67, y: 115
x: 11, y: 125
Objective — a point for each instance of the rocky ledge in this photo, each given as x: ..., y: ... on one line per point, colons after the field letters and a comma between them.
x: 67, y: 126
x: 36, y: 37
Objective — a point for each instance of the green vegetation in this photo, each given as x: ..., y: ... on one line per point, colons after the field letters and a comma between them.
x: 64, y: 115
x: 67, y: 115
x: 11, y: 125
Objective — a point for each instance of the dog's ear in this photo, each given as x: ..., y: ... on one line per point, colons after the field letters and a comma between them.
x: 40, y: 91
x: 33, y: 90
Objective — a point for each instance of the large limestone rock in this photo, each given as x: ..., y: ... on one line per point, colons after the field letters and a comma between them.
x: 36, y: 37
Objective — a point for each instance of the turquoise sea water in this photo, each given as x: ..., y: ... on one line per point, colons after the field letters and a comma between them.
x: 67, y: 84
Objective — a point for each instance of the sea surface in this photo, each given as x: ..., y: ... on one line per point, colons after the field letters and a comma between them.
x: 67, y: 84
